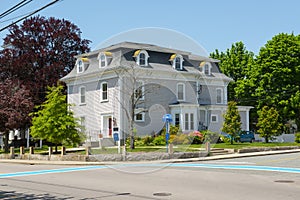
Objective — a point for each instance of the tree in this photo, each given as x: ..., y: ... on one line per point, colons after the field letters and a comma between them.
x: 268, y: 123
x: 275, y: 79
x: 133, y: 92
x: 40, y: 52
x: 235, y: 63
x: 15, y: 105
x: 232, y: 121
x: 54, y: 121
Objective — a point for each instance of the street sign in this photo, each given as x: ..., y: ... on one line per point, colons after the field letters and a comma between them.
x: 167, y: 118
x: 116, y: 137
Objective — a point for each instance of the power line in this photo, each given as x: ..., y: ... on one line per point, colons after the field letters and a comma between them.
x: 38, y: 10
x: 14, y: 8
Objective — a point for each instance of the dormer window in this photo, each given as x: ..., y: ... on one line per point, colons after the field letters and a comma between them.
x: 205, y: 67
x: 177, y: 61
x: 104, y: 58
x: 82, y: 64
x: 141, y: 57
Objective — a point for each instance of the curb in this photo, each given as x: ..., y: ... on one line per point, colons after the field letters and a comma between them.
x: 209, y: 158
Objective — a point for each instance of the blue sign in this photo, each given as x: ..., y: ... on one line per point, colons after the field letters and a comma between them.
x: 167, y: 118
x: 116, y: 137
x: 167, y: 136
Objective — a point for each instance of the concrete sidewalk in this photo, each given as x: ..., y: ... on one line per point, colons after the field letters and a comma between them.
x: 207, y: 158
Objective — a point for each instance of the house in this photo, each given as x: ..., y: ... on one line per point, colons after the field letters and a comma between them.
x: 134, y: 83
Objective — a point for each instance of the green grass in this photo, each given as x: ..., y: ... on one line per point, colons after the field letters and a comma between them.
x: 249, y: 145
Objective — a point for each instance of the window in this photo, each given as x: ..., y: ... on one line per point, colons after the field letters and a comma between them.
x: 104, y: 92
x: 219, y: 96
x: 177, y: 61
x: 80, y: 66
x: 141, y: 57
x: 207, y: 69
x: 82, y: 124
x: 192, y: 121
x: 180, y: 92
x: 82, y: 95
x: 140, y: 90
x: 177, y: 119
x: 139, y: 117
x: 186, y: 121
x: 104, y: 58
x: 214, y: 118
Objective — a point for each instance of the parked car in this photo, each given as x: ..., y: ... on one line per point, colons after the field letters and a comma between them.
x: 246, y: 136
x: 243, y: 136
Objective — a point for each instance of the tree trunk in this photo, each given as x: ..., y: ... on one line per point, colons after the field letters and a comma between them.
x: 132, y: 141
x: 267, y: 139
x: 6, y: 135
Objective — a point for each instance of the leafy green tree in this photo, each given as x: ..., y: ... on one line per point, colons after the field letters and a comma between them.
x: 54, y: 121
x: 232, y: 121
x: 268, y: 123
x: 235, y: 63
x: 275, y: 77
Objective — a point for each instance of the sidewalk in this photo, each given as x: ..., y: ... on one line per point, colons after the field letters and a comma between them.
x: 208, y: 158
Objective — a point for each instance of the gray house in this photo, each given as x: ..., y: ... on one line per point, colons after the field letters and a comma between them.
x: 133, y: 83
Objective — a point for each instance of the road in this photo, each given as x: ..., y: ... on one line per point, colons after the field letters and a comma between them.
x: 266, y: 177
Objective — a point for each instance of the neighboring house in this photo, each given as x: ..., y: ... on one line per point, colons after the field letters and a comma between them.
x: 105, y: 82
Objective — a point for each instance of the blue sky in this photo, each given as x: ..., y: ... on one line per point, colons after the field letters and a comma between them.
x: 213, y: 24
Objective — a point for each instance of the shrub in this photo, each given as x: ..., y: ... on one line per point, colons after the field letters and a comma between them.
x: 297, y: 137
x: 174, y: 130
x: 159, y: 140
x: 148, y: 140
x: 210, y: 136
x: 180, y: 139
x: 196, y: 137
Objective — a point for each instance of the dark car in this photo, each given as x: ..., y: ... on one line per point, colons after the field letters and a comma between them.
x: 246, y: 136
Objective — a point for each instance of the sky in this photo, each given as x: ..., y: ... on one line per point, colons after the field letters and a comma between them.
x: 209, y: 24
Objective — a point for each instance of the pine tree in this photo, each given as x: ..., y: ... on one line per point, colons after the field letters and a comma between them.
x: 54, y: 122
x: 232, y: 121
x: 268, y: 123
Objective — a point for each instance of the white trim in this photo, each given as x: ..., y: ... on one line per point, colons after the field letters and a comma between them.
x: 207, y: 66
x: 80, y: 66
x: 100, y: 56
x: 140, y: 84
x: 80, y: 95
x: 211, y: 118
x: 146, y: 58
x: 139, y: 120
x: 221, y: 96
x: 183, y: 91
x: 180, y: 60
x: 101, y: 92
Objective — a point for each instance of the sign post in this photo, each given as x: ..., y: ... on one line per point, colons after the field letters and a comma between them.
x: 167, y: 118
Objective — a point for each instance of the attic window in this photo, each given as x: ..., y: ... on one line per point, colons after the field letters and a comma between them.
x: 141, y: 57
x: 81, y: 64
x: 206, y: 68
x: 104, y: 58
x: 177, y: 61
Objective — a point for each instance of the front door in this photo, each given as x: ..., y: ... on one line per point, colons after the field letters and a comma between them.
x: 110, y: 127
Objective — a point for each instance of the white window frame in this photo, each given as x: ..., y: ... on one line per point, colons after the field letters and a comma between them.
x: 208, y: 67
x: 192, y: 122
x: 141, y: 86
x: 102, y: 59
x: 139, y: 120
x: 221, y: 95
x: 178, y: 56
x: 80, y: 66
x: 82, y: 123
x: 82, y: 95
x: 102, y: 92
x: 146, y: 58
x: 186, y: 121
x: 214, y: 121
x: 183, y: 91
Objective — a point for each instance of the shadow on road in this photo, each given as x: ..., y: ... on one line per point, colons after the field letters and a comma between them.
x: 15, y: 195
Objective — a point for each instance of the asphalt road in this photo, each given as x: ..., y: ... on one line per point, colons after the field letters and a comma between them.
x: 266, y: 177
